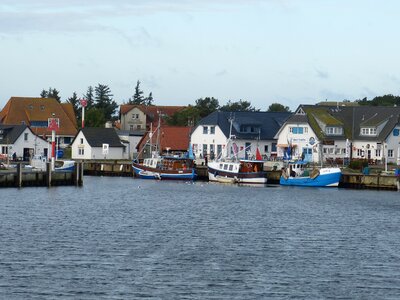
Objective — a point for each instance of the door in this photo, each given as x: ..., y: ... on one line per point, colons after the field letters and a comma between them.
x: 307, y: 154
x: 28, y: 152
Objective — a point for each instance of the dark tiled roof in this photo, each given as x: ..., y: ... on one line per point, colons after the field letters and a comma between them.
x: 353, y: 118
x: 10, y: 133
x: 96, y: 137
x: 268, y: 122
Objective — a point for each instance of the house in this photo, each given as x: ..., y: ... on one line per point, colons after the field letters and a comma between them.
x: 333, y: 133
x: 35, y: 112
x: 247, y: 130
x: 131, y: 139
x: 20, y: 139
x: 142, y: 117
x: 173, y: 140
x: 98, y: 143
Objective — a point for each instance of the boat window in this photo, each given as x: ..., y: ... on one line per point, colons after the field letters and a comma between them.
x: 230, y: 167
x: 220, y: 166
x: 225, y: 167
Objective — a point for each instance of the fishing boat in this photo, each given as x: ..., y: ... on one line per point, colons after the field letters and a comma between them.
x: 298, y: 174
x: 165, y: 167
x: 237, y: 171
x: 39, y: 163
x: 234, y: 170
x: 175, y: 167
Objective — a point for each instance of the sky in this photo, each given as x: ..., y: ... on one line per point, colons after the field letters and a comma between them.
x: 264, y: 51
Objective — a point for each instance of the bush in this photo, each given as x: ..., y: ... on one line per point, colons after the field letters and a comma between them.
x: 358, y: 164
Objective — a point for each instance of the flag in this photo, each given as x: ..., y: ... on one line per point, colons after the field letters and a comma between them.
x: 235, y: 149
x: 258, y: 155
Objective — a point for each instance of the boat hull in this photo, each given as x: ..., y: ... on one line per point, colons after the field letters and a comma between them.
x: 326, y: 178
x: 231, y: 177
x: 153, y: 173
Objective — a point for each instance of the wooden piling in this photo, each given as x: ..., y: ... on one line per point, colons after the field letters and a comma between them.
x: 48, y: 174
x: 19, y: 175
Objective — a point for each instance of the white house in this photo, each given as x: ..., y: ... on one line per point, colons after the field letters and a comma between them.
x: 131, y: 139
x: 334, y: 133
x: 98, y: 143
x: 248, y: 131
x: 20, y: 139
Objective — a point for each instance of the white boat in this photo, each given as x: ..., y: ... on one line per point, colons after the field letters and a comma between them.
x: 240, y: 171
x: 39, y: 162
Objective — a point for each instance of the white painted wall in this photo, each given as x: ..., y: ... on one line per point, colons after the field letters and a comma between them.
x: 199, y: 139
x: 28, y: 140
x: 89, y: 152
x: 300, y: 140
x: 393, y: 143
x: 127, y: 119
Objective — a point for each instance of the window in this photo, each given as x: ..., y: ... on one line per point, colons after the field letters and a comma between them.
x: 334, y: 130
x: 25, y: 136
x: 67, y: 140
x: 296, y: 130
x: 230, y: 167
x: 368, y: 131
x: 266, y: 148
x: 135, y: 116
x: 81, y: 140
x: 360, y: 152
x: 42, y: 107
x: 205, y: 130
x: 131, y: 127
x: 225, y: 167
x: 378, y: 152
x: 273, y: 148
x: 305, y: 129
x: 396, y: 132
x: 212, y: 130
x: 390, y: 153
x: 139, y: 127
x: 81, y: 151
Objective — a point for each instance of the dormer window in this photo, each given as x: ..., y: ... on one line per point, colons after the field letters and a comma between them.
x: 334, y: 130
x: 41, y: 107
x: 368, y: 131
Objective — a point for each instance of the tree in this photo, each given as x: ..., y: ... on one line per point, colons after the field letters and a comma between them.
x: 206, y: 106
x: 240, y: 105
x: 89, y: 96
x: 137, y: 98
x: 104, y: 102
x: 51, y: 93
x: 95, y: 117
x: 75, y: 104
x: 277, y: 107
x: 385, y: 100
x: 188, y: 116
x: 149, y: 100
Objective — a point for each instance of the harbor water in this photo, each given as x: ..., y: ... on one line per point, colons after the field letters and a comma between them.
x: 124, y: 238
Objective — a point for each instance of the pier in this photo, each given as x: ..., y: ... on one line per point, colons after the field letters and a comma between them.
x: 21, y: 177
x: 348, y: 180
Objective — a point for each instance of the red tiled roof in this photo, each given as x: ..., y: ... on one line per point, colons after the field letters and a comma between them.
x: 29, y: 109
x: 175, y: 138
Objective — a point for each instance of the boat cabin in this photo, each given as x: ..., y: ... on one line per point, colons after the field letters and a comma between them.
x: 251, y: 166
x: 169, y: 163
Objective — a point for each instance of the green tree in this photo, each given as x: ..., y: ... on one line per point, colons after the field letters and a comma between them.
x: 385, y: 100
x: 89, y: 96
x: 75, y: 104
x: 95, y: 117
x: 104, y: 102
x: 206, y: 106
x: 277, y: 107
x: 240, y: 105
x: 51, y: 93
x: 137, y: 97
x: 149, y: 99
x: 188, y: 116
